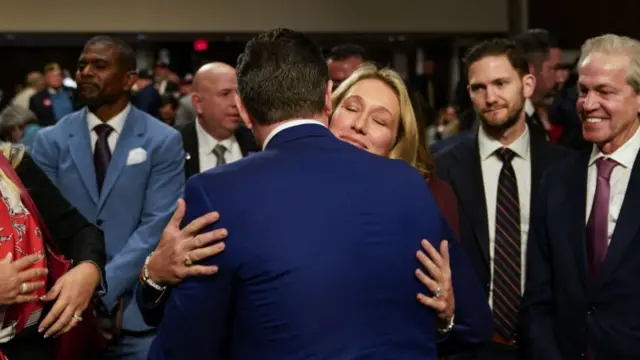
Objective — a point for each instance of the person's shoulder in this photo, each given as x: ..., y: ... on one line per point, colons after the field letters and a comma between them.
x: 567, y: 165
x: 185, y: 129
x: 155, y: 127
x: 559, y: 152
x: 64, y: 124
x: 462, y: 146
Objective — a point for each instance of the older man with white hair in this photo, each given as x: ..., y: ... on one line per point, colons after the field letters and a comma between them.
x: 582, y: 293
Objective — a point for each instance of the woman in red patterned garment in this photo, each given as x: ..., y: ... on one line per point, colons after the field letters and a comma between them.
x: 33, y: 309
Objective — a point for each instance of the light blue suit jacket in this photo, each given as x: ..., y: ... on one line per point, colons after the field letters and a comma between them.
x: 137, y: 199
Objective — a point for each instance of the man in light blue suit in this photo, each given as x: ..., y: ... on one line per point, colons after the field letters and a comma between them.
x: 319, y: 261
x: 123, y: 170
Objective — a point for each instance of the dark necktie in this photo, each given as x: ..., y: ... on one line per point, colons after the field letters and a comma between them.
x: 219, y: 151
x: 506, y: 261
x: 102, y: 153
x: 598, y: 224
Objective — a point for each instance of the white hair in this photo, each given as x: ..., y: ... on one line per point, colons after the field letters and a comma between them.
x: 619, y: 45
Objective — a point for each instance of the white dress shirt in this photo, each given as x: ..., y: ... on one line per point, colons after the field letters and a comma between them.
x: 491, y: 166
x: 116, y: 122
x: 206, y: 144
x: 624, y: 156
x: 288, y: 124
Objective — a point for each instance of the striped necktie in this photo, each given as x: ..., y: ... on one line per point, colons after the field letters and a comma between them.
x: 507, y: 259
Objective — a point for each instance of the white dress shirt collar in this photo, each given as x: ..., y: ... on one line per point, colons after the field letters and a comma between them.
x: 529, y: 109
x: 625, y: 155
x: 488, y: 146
x: 287, y: 125
x: 116, y: 122
x: 206, y: 142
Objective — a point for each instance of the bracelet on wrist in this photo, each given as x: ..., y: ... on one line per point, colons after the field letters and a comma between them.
x: 449, y: 326
x: 145, y: 276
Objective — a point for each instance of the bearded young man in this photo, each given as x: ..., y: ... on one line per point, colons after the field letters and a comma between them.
x: 495, y: 174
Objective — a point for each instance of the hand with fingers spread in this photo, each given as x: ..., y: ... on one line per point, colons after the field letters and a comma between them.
x: 438, y: 281
x: 72, y: 294
x: 178, y: 250
x: 17, y: 282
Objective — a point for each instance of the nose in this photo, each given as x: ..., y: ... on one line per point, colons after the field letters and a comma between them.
x: 590, y: 102
x: 359, y: 124
x: 490, y: 96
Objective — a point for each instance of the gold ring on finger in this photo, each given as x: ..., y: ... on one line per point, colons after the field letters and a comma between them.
x: 77, y: 317
x: 438, y: 292
x: 187, y: 260
x: 24, y: 288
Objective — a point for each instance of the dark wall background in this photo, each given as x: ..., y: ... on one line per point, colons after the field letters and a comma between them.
x: 574, y: 21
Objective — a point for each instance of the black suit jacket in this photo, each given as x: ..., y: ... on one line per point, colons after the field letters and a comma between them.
x: 76, y: 237
x: 563, y: 311
x: 459, y: 165
x: 148, y: 100
x: 44, y: 112
x: 243, y: 135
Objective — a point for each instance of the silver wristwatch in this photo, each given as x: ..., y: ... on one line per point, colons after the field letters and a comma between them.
x: 145, y: 276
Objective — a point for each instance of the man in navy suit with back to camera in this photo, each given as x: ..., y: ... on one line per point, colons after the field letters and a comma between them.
x: 321, y: 264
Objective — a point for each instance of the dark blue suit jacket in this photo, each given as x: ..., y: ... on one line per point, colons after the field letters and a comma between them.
x: 319, y: 265
x: 563, y: 311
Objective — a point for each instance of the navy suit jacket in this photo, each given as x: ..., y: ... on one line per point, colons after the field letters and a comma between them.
x: 563, y: 311
x: 320, y: 265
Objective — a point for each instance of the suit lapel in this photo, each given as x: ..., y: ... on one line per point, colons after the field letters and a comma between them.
x: 576, y: 208
x: 80, y: 145
x: 467, y: 177
x: 130, y: 138
x: 626, y: 226
x: 192, y: 160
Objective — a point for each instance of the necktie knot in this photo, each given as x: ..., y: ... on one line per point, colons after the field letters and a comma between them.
x: 605, y: 167
x: 103, y: 130
x: 506, y: 155
x: 219, y: 150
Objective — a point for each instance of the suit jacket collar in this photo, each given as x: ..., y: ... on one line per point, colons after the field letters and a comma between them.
x: 296, y: 130
x: 243, y: 135
x: 192, y: 153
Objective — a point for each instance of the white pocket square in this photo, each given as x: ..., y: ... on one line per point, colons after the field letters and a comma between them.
x: 136, y: 156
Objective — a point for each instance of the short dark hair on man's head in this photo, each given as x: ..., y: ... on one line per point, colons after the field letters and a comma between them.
x: 498, y: 47
x: 126, y: 56
x: 345, y: 51
x: 536, y: 44
x: 282, y: 75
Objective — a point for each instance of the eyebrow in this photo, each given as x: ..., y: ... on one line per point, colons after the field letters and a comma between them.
x: 503, y: 78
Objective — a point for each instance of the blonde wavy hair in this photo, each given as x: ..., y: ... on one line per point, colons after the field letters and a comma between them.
x: 409, y: 144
